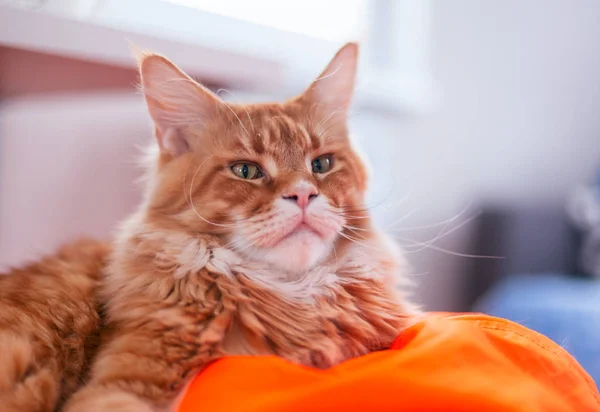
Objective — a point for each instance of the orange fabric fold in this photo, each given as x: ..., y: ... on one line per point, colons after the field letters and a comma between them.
x: 443, y: 362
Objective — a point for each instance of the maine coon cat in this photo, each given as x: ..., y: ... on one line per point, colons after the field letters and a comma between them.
x: 253, y: 239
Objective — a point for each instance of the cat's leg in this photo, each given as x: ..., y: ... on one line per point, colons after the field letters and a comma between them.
x: 146, y: 368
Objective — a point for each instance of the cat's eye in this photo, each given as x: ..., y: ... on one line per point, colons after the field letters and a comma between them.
x: 322, y: 164
x: 245, y: 170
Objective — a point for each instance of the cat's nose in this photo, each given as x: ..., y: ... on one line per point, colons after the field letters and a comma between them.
x: 302, y: 194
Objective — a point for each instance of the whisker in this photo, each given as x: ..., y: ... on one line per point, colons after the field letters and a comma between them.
x: 442, y: 233
x: 353, y: 217
x: 376, y: 204
x: 237, y: 117
x: 443, y: 222
x: 243, y: 106
x: 268, y: 232
x: 402, y: 219
x: 430, y: 226
x: 356, y: 228
x: 253, y: 222
x: 191, y: 201
x: 327, y: 118
x: 249, y: 245
x: 453, y: 253
x: 346, y: 211
x: 430, y: 245
x: 358, y: 242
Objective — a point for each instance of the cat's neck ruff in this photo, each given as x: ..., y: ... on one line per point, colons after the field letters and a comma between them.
x: 375, y: 258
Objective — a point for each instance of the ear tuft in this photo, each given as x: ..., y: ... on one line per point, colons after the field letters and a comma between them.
x: 137, y: 52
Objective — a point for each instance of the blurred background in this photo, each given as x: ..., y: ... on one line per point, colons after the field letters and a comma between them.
x: 480, y: 118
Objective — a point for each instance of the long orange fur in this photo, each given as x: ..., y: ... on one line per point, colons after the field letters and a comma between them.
x: 180, y: 291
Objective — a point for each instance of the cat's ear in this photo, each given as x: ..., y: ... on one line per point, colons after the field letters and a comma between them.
x: 175, y: 101
x: 334, y: 88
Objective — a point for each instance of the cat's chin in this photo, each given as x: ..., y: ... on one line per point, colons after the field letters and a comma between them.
x: 296, y: 253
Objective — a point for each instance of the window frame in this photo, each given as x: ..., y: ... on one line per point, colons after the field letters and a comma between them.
x: 394, y: 74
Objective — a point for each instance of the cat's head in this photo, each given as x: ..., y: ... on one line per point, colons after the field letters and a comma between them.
x: 278, y: 182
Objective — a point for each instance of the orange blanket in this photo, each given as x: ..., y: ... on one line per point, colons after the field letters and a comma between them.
x: 442, y: 363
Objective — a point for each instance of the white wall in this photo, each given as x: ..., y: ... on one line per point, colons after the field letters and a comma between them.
x: 517, y: 122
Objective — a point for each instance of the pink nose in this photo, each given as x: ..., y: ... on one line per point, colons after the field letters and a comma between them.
x: 302, y: 193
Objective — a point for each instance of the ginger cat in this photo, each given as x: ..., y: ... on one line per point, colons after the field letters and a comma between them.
x: 253, y: 239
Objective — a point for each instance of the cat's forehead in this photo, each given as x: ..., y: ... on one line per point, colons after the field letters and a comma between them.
x: 277, y: 132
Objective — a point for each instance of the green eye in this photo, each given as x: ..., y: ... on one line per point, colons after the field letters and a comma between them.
x: 245, y: 170
x: 322, y: 164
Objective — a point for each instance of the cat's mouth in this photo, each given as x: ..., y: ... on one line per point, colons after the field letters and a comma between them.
x: 295, y: 246
x: 302, y: 228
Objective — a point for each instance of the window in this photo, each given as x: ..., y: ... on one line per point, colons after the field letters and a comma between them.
x: 393, y: 36
x: 336, y: 20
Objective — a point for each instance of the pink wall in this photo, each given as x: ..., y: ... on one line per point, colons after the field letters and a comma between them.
x: 66, y: 168
x: 25, y: 73
x: 68, y: 137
